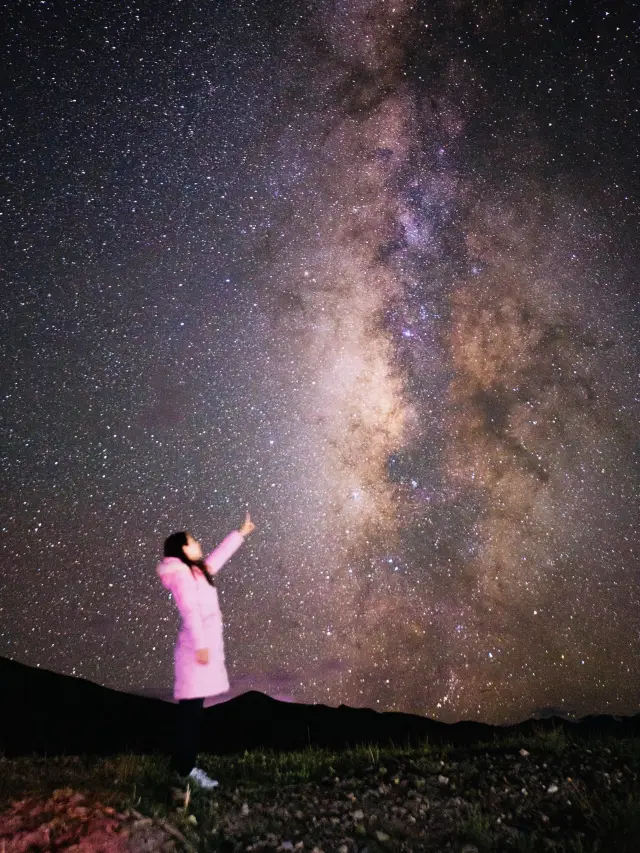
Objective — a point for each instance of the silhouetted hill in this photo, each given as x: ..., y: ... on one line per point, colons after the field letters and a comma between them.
x: 44, y: 712
x: 154, y: 693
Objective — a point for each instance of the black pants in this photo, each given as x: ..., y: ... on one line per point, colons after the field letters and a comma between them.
x: 189, y: 720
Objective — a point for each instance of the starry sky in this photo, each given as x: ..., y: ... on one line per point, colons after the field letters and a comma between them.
x: 366, y: 268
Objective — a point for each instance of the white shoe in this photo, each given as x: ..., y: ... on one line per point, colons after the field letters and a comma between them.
x: 201, y: 779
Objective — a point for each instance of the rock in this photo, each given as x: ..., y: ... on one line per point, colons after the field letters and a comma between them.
x: 552, y: 789
x: 524, y: 753
x: 443, y: 780
x: 381, y: 836
x: 511, y: 830
x: 358, y: 814
x: 245, y: 809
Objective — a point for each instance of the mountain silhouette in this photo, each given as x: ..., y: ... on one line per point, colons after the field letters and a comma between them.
x: 47, y: 713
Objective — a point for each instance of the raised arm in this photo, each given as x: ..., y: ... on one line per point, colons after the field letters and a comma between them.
x: 226, y: 549
x: 229, y: 545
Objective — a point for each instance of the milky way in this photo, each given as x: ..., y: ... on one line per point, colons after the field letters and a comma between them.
x: 367, y: 269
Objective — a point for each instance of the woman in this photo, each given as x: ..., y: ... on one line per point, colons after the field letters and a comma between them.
x: 199, y: 653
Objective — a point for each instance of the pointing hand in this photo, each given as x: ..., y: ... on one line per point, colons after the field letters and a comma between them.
x: 248, y: 526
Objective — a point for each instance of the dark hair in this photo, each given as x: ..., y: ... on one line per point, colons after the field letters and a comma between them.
x: 173, y: 546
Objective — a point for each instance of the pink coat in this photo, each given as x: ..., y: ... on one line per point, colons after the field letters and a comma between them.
x: 201, y: 626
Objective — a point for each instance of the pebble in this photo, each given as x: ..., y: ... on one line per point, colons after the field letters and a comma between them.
x: 245, y: 809
x: 524, y: 753
x: 381, y: 836
x: 358, y: 814
x: 552, y: 789
x: 443, y: 780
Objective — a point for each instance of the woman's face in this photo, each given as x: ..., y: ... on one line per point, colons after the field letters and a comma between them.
x: 192, y: 549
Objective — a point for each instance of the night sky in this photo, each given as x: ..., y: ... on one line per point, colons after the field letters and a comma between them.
x: 368, y: 269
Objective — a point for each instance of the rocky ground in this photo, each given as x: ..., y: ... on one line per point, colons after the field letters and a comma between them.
x: 562, y: 797
x: 69, y: 820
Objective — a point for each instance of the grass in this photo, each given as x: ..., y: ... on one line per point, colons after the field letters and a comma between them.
x: 554, y: 741
x: 496, y: 796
